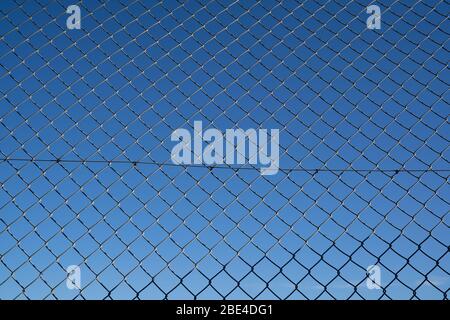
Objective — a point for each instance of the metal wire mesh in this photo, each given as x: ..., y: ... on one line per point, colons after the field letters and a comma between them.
x: 86, y: 177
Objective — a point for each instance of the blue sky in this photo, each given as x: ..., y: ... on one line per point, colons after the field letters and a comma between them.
x: 353, y: 103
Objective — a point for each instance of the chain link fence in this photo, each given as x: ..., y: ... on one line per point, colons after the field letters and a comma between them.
x: 358, y: 210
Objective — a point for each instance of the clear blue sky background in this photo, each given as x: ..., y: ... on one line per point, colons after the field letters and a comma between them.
x: 344, y: 97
